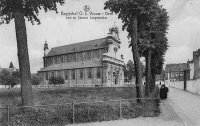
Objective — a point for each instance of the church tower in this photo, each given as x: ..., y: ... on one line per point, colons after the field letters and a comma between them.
x: 114, y: 31
x: 46, y: 49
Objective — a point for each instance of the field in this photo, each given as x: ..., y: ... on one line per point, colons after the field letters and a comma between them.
x: 66, y: 95
x: 62, y: 114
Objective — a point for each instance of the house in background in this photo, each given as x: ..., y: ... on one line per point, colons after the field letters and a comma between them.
x: 92, y: 63
x: 191, y: 69
x: 175, y: 72
x: 196, y: 63
x: 160, y: 77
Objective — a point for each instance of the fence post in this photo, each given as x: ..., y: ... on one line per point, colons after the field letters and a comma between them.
x: 8, y: 111
x: 73, y: 118
x: 120, y: 108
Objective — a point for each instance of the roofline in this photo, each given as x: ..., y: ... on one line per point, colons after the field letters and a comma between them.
x: 74, y: 52
x: 84, y: 42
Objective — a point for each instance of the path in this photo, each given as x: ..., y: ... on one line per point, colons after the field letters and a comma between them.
x: 180, y: 109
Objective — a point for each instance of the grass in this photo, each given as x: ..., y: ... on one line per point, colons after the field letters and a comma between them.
x: 62, y: 114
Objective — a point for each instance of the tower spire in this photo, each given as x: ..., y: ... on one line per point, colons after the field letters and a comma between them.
x: 46, y: 48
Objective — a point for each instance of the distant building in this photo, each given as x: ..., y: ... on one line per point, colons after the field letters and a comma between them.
x: 91, y: 63
x: 196, y: 60
x: 191, y: 69
x: 175, y: 72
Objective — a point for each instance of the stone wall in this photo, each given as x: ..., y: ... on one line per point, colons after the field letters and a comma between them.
x: 191, y: 85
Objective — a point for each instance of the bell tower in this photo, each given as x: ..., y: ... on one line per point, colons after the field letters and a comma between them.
x: 46, y: 49
x: 114, y: 31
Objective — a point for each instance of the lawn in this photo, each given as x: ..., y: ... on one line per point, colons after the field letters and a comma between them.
x: 62, y: 114
x: 66, y: 95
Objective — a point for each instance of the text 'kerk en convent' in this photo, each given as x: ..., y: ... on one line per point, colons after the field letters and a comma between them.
x: 89, y: 64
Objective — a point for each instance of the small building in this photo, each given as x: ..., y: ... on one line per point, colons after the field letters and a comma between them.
x: 175, y: 72
x: 196, y: 62
x: 191, y: 69
x: 92, y: 63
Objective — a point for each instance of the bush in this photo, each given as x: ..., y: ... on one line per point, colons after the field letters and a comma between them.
x: 35, y: 80
x: 62, y: 114
x: 56, y: 80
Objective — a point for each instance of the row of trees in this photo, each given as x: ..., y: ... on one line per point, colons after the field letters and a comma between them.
x: 13, y: 78
x: 146, y: 23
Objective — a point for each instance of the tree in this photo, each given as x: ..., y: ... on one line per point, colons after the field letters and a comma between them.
x: 18, y: 10
x: 7, y: 79
x: 132, y: 13
x: 4, y: 76
x: 16, y: 76
x: 11, y: 65
x: 36, y: 80
x: 130, y: 70
x: 153, y: 43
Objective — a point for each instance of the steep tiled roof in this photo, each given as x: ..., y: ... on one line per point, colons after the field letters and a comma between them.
x: 72, y: 65
x: 176, y: 67
x: 77, y: 47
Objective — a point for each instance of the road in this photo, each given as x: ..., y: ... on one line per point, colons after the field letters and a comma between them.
x: 180, y: 109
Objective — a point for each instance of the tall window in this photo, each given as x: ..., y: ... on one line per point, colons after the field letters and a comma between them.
x: 81, y: 73
x: 62, y: 59
x: 81, y: 56
x: 52, y: 74
x: 73, y: 57
x: 89, y: 72
x: 60, y: 74
x: 88, y: 55
x: 96, y: 53
x: 66, y: 58
x: 98, y: 73
x: 73, y: 74
x: 46, y: 74
x: 66, y: 75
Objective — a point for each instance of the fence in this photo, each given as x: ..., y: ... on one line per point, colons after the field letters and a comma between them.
x: 78, y: 112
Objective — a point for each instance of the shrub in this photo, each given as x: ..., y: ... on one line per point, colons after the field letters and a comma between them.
x: 56, y: 80
x: 35, y: 80
x: 62, y: 114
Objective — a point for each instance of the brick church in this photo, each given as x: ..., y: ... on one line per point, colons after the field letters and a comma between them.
x: 91, y: 63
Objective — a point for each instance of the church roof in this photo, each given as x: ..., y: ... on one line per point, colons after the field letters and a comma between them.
x: 72, y: 65
x: 176, y: 67
x: 77, y: 47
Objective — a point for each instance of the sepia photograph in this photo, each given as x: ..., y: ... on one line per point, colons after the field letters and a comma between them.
x: 99, y: 63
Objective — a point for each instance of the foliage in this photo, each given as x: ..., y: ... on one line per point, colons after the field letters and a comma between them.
x: 62, y: 114
x: 7, y: 79
x: 30, y: 8
x: 35, y: 80
x: 129, y: 71
x: 16, y: 76
x: 56, y: 80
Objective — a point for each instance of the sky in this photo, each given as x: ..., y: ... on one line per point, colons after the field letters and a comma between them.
x: 183, y: 34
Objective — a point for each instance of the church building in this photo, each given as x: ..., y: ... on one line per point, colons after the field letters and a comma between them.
x: 94, y: 63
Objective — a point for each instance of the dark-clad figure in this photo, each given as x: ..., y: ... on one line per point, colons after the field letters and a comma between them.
x: 163, y: 92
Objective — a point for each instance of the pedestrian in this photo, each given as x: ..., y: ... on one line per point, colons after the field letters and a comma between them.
x: 163, y: 92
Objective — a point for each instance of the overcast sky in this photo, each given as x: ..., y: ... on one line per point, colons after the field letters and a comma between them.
x: 183, y: 34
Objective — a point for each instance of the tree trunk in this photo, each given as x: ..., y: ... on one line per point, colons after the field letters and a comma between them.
x: 153, y: 82
x: 148, y: 72
x: 139, y: 86
x: 23, y: 57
